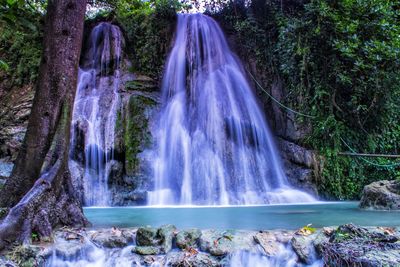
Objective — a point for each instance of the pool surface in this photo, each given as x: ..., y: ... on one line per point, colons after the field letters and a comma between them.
x: 242, y: 217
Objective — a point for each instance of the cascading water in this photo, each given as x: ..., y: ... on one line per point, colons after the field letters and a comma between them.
x: 285, y: 257
x: 67, y: 254
x: 213, y: 144
x: 95, y: 110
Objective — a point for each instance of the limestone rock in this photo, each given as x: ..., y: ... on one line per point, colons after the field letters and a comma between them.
x: 219, y: 243
x: 147, y: 236
x: 302, y: 246
x: 162, y: 238
x: 188, y: 238
x: 381, y: 195
x: 166, y: 234
x: 146, y: 250
x: 114, y: 238
x: 268, y: 242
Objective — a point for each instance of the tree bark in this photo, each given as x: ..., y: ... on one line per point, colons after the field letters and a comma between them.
x: 56, y: 85
x: 40, y: 184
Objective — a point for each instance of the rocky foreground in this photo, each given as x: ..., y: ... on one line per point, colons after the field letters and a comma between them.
x: 346, y: 245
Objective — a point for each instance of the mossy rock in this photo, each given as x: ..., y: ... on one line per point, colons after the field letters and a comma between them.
x: 137, y: 136
x: 188, y: 238
x: 146, y: 250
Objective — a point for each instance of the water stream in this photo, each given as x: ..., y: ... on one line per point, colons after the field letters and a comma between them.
x: 95, y: 111
x: 213, y: 144
x: 91, y: 255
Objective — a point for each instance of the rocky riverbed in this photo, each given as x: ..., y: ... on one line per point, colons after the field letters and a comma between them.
x: 346, y: 245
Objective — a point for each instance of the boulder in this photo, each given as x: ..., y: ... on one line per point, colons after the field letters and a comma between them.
x: 161, y: 238
x: 188, y: 238
x: 113, y: 238
x: 302, y: 247
x: 220, y: 243
x: 268, y: 242
x: 147, y: 236
x: 166, y: 234
x: 381, y: 195
x: 217, y: 243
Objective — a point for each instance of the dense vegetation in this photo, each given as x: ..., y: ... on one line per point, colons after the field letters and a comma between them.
x: 338, y: 60
x: 20, y: 40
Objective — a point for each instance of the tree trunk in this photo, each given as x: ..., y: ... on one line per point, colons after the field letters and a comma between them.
x: 48, y: 201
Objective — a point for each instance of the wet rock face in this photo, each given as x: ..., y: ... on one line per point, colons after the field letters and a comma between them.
x: 220, y: 243
x: 147, y: 236
x: 151, y: 239
x: 301, y: 165
x: 15, y: 107
x: 111, y: 123
x: 101, y: 40
x: 188, y: 238
x: 268, y: 242
x: 381, y: 195
x: 113, y: 238
x: 301, y: 245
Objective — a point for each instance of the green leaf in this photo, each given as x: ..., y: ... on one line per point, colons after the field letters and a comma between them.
x: 4, y: 66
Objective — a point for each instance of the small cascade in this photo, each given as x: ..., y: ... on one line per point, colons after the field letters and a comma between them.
x: 213, y: 143
x: 286, y: 257
x: 93, y: 256
x: 95, y: 111
x: 90, y: 255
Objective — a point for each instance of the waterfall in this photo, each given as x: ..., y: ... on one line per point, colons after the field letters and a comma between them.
x: 213, y: 143
x: 95, y: 111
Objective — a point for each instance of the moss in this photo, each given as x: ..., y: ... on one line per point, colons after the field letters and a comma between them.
x: 136, y: 132
x: 140, y: 85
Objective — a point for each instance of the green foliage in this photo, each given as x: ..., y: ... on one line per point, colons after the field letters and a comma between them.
x: 149, y: 28
x: 34, y: 237
x: 339, y: 62
x: 4, y: 66
x: 22, y: 49
x: 20, y: 39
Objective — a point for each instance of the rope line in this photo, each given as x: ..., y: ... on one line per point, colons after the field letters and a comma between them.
x: 313, y: 117
x: 277, y: 101
x: 371, y: 162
